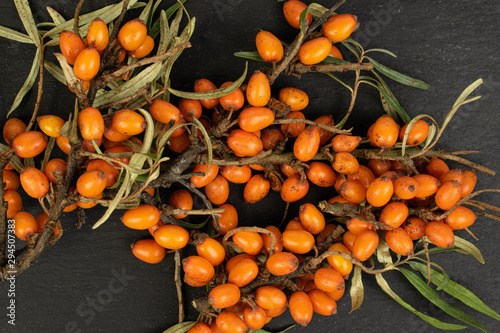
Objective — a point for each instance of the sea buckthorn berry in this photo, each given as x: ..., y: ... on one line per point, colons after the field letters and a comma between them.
x: 314, y: 51
x: 255, y: 318
x: 119, y: 149
x: 340, y: 264
x: 244, y: 272
x: 41, y: 219
x: 392, y: 175
x: 448, y: 195
x: 233, y: 101
x: 307, y: 144
x: 25, y: 225
x: 236, y: 174
x: 204, y: 85
x: 11, y: 179
x: 71, y: 45
x: 181, y: 199
x: 164, y: 111
x: 301, y: 308
x: 394, y: 214
x: 270, y: 298
x: 325, y: 135
x: 322, y: 236
x: 111, y: 172
x: 415, y: 227
x: 418, y: 133
x: 269, y: 46
x: 14, y: 203
x: 132, y: 35
x: 399, y: 241
x: 190, y: 108
x: 294, y: 224
x: 34, y: 182
x: 440, y: 234
x: 293, y: 130
x: 406, y: 188
x: 295, y: 98
x: 142, y: 217
x: 91, y: 124
x: 248, y: 241
x: 357, y: 226
x: 224, y: 295
x: 12, y: 128
x: 29, y: 144
x: 364, y: 176
x: 460, y: 218
x: 258, y: 89
x: 200, y: 328
x: 255, y: 118
x: 54, y: 165
x: 339, y: 27
x: 98, y: 35
x: 87, y: 64
x: 311, y: 218
x: 427, y: 185
x: 179, y: 144
x: 171, y: 236
x: 348, y: 240
x: 335, y: 52
x: 267, y: 240
x: 282, y: 263
x: 336, y: 295
x: 244, y: 143
x: 294, y: 188
x: 288, y: 170
x: 91, y: 183
x: 455, y: 174
x: 211, y: 250
x: 50, y: 125
x: 276, y: 312
x: 380, y: 191
x: 345, y: 143
x: 365, y: 245
x: 256, y: 189
x: 210, y: 174
x: 469, y: 182
x: 148, y: 250
x: 228, y: 322
x: 87, y: 205
x: 379, y: 167
x: 292, y: 10
x: 144, y: 49
x: 111, y: 134
x: 353, y: 191
x: 437, y: 167
x: 128, y: 122
x: 328, y: 280
x: 217, y: 190
x: 236, y: 259
x: 321, y: 174
x: 228, y: 219
x: 198, y: 269
x: 322, y: 303
x: 384, y: 132
x: 298, y: 241
x: 345, y: 163
x: 271, y: 137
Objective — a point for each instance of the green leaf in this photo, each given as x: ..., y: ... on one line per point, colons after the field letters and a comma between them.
x: 55, y: 70
x: 146, y: 11
x: 410, y: 126
x: 435, y: 299
x: 316, y: 10
x: 165, y: 36
x: 14, y: 35
x: 56, y: 17
x: 391, y: 101
x: 69, y: 75
x: 469, y: 90
x: 207, y: 141
x: 382, y: 51
x: 213, y: 93
x: 24, y: 10
x: 155, y: 28
x: 254, y: 55
x: 357, y: 290
x: 469, y: 248
x: 398, y: 77
x: 181, y: 327
x: 446, y: 278
x: 15, y: 161
x: 456, y: 290
x: 433, y: 321
x: 303, y: 22
x: 28, y: 84
x: 283, y: 331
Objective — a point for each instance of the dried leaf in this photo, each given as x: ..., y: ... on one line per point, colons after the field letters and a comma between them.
x: 316, y: 10
x: 55, y: 70
x: 383, y: 253
x: 28, y: 84
x: 69, y: 75
x: 14, y: 35
x: 145, y: 14
x: 357, y: 290
x: 56, y: 17
x: 24, y: 10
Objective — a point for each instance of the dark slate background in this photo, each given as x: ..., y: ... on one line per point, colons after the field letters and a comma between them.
x: 448, y: 44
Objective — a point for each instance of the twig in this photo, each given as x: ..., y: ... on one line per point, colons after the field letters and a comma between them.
x: 40, y: 89
x: 205, y: 200
x: 300, y: 68
x: 76, y: 21
x: 313, y: 123
x: 178, y: 284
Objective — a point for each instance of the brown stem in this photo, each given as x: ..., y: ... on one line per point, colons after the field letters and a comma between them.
x: 40, y: 89
x: 76, y: 21
x: 178, y: 284
x: 300, y: 69
x: 313, y: 123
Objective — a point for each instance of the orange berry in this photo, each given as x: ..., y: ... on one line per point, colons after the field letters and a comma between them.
x: 258, y: 90
x: 224, y: 295
x: 179, y: 144
x: 11, y: 179
x: 380, y: 191
x: 440, y: 234
x: 50, y: 125
x: 109, y: 170
x: 345, y: 143
x: 87, y: 64
x: 34, y: 182
x: 307, y: 144
x: 328, y: 280
x: 181, y: 199
x: 292, y: 10
x: 282, y: 263
x: 415, y: 227
x: 228, y: 219
x: 339, y: 27
x: 91, y: 124
x: 29, y: 144
x: 210, y: 174
x: 336, y: 295
x: 12, y: 128
x: 353, y: 191
x: 119, y: 149
x: 91, y: 183
x: 311, y: 218
x: 301, y: 308
x: 55, y: 165
x: 357, y: 226
x: 171, y: 236
x: 144, y: 49
x: 164, y: 111
x: 293, y: 130
x: 335, y: 52
x: 200, y: 328
x: 427, y: 185
x: 437, y: 167
x: 256, y: 189
x: 267, y: 240
x: 384, y: 133
x: 244, y: 143
x: 314, y: 51
x: 198, y: 269
x: 322, y: 303
x: 399, y: 241
x: 204, y: 85
x: 128, y: 122
x: 111, y: 134
x: 217, y: 191
x: 325, y: 135
x: 71, y: 45
x: 294, y: 188
x: 418, y: 133
x: 236, y: 259
x: 295, y: 224
x: 365, y: 245
x: 448, y: 195
x: 275, y: 312
x: 338, y: 263
x: 321, y: 174
x: 298, y: 241
x: 345, y: 163
x: 270, y: 298
x: 211, y: 250
x: 248, y: 241
x: 228, y: 322
x: 378, y: 167
x: 142, y: 217
x: 255, y: 118
x: 460, y: 218
x: 269, y: 46
x: 232, y: 101
x: 25, y: 225
x: 243, y: 272
x: 469, y: 182
x: 14, y: 203
x: 364, y: 176
x: 271, y: 137
x: 455, y: 174
x: 236, y: 174
x: 394, y: 214
x: 41, y: 219
x: 406, y: 187
x: 148, y: 250
x: 132, y: 35
x: 255, y: 318
x: 98, y: 35
x: 190, y: 108
x: 295, y: 98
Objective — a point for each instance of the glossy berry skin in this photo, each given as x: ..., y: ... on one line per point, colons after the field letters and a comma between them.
x: 211, y: 250
x: 321, y: 174
x: 294, y: 188
x: 200, y: 327
x: 322, y: 303
x: 325, y: 135
x: 314, y: 51
x: 243, y: 272
x: 298, y: 241
x: 258, y: 89
x: 469, y: 182
x: 190, y: 108
x: 50, y: 125
x: 335, y: 52
x: 14, y: 203
x: 248, y: 241
x: 217, y: 190
x: 71, y: 45
x: 406, y: 188
x: 98, y: 35
x: 282, y: 263
x: 270, y: 298
x: 292, y: 10
x: 143, y: 50
x: 128, y: 122
x: 357, y: 226
x: 29, y: 144
x: 307, y: 144
x: 312, y: 218
x: 293, y: 130
x: 267, y: 240
x: 437, y: 167
x: 399, y: 241
x: 87, y: 64
x: 164, y: 111
x: 204, y: 85
x: 339, y: 27
x: 254, y: 119
x: 91, y: 124
x: 12, y: 128
x: 172, y: 237
x: 384, y: 132
x: 340, y: 264
x: 353, y: 191
x: 236, y: 174
x: 256, y: 189
x: 233, y: 101
x: 142, y: 217
x: 460, y: 218
x: 11, y: 179
x: 345, y: 163
x: 365, y: 245
x: 448, y: 195
x: 269, y: 46
x: 394, y: 214
x: 255, y: 318
x: 244, y: 143
x: 210, y: 174
x: 148, y: 250
x: 34, y: 182
x: 132, y: 35
x: 417, y: 135
x: 91, y: 183
x: 224, y: 295
x: 25, y: 225
x: 198, y: 269
x: 328, y: 280
x: 271, y: 137
x: 345, y: 143
x: 415, y: 227
x: 228, y: 219
x: 380, y: 191
x: 301, y: 308
x: 229, y: 322
x: 295, y: 98
x: 55, y: 165
x: 440, y: 234
x: 427, y: 185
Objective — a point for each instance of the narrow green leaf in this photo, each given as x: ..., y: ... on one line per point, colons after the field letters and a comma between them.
x: 30, y: 80
x: 387, y: 107
x: 469, y: 90
x: 207, y: 141
x: 253, y: 55
x: 165, y: 37
x: 382, y: 51
x: 435, y: 299
x: 357, y: 290
x: 446, y: 278
x: 340, y: 81
x: 398, y: 77
x: 69, y: 75
x: 456, y: 290
x: 14, y: 35
x: 351, y: 48
x: 181, y: 327
x: 56, y: 17
x: 24, y: 10
x: 469, y: 248
x: 146, y: 11
x: 316, y: 10
x: 303, y: 22
x: 155, y: 28
x: 391, y: 101
x: 283, y: 331
x: 433, y: 321
x: 410, y: 126
x: 213, y: 93
x: 430, y: 136
x: 55, y: 70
